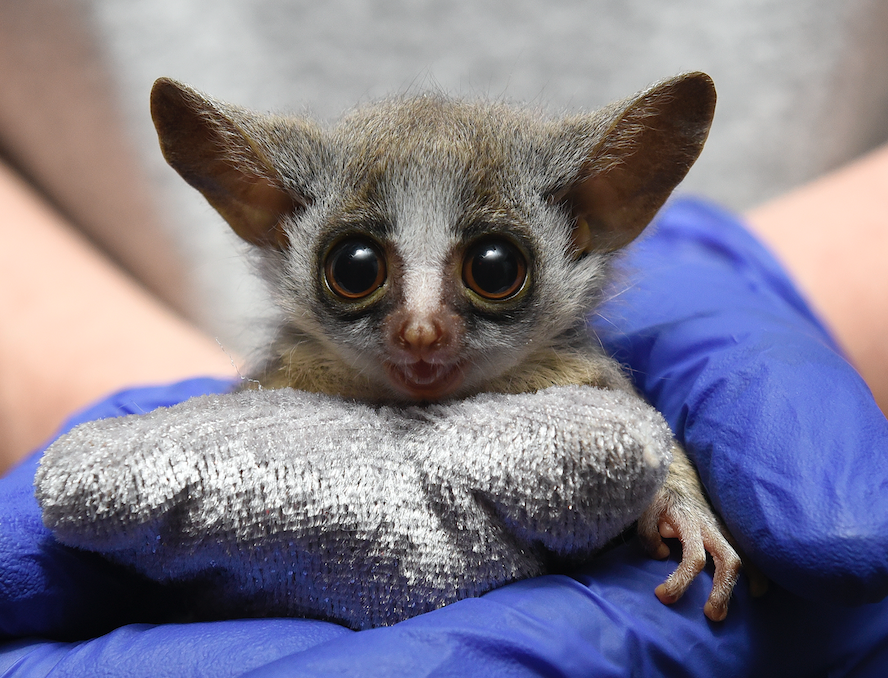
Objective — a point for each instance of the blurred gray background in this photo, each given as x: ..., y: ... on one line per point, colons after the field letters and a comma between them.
x: 803, y: 87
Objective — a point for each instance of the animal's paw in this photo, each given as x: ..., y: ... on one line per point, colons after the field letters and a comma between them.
x: 680, y: 510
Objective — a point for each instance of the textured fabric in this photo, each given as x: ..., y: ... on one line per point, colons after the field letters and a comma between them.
x: 291, y: 503
x: 603, y: 621
x: 49, y: 590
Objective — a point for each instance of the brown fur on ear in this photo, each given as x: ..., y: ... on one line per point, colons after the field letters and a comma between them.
x: 216, y: 156
x: 652, y: 141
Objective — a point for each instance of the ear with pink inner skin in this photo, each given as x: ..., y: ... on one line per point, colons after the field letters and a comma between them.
x: 215, y: 155
x: 652, y: 141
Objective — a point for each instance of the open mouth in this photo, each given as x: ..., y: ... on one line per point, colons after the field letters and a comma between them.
x: 425, y: 381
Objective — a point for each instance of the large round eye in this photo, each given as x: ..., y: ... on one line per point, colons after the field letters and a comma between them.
x: 355, y: 268
x: 494, y: 268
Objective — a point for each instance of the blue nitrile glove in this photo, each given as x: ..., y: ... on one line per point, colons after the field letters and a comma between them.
x: 788, y: 441
x: 723, y: 345
x: 46, y: 589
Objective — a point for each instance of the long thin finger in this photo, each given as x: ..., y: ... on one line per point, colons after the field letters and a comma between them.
x: 649, y: 534
x: 758, y: 582
x: 727, y: 569
x: 693, y: 559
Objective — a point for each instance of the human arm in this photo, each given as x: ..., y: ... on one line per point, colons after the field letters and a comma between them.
x: 75, y: 327
x: 832, y: 236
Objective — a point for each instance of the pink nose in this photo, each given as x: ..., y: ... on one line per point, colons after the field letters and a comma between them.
x: 418, y: 335
x: 433, y: 336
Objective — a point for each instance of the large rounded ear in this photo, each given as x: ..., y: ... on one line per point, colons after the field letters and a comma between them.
x: 649, y: 144
x: 214, y: 154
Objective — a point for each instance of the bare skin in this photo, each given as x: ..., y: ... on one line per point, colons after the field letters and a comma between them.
x: 75, y: 327
x: 832, y: 235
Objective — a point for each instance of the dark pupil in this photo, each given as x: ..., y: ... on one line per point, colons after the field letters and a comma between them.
x: 495, y: 268
x: 355, y: 268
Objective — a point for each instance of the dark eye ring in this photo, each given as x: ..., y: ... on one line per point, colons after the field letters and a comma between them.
x: 494, y: 268
x: 355, y: 268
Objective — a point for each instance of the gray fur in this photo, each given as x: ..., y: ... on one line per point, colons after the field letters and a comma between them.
x: 292, y: 503
x: 425, y: 177
x: 470, y: 162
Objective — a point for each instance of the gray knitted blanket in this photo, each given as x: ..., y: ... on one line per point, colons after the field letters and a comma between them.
x: 291, y: 503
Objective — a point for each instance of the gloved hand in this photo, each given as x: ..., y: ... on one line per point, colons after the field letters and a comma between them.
x: 787, y: 439
x: 790, y: 446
